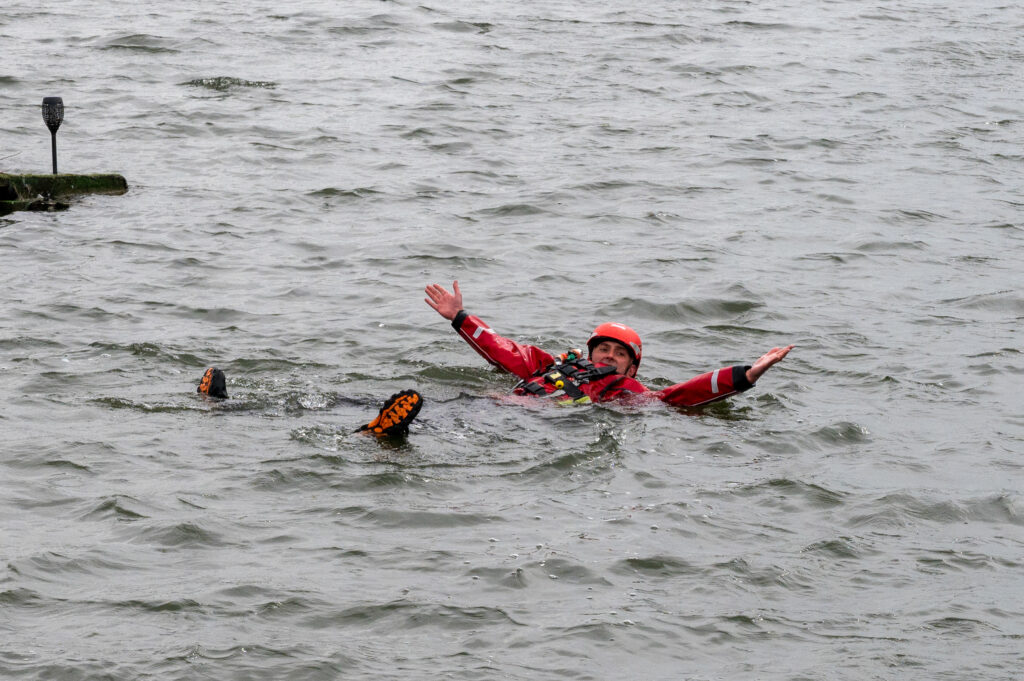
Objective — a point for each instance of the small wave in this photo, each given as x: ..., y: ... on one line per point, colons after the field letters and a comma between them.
x: 556, y: 466
x: 287, y: 607
x: 140, y: 42
x: 392, y: 518
x: 889, y: 246
x: 464, y: 27
x: 604, y: 186
x: 246, y: 394
x: 900, y: 509
x: 765, y: 26
x: 278, y: 480
x: 843, y: 432
x: 335, y: 193
x: 408, y: 615
x: 693, y: 310
x: 250, y: 654
x: 150, y: 350
x: 358, y: 30
x: 371, y: 24
x: 835, y: 198
x: 599, y: 455
x: 513, y: 210
x: 841, y: 258
x: 501, y: 577
x: 227, y: 83
x: 1001, y: 301
x: 657, y: 566
x: 112, y: 508
x: 947, y: 560
x: 1007, y: 353
x: 960, y: 626
x: 180, y: 605
x: 770, y: 575
x: 451, y: 147
x: 786, y: 493
x: 333, y: 438
x: 23, y: 344
x: 894, y: 16
x: 145, y: 407
x: 567, y: 571
x: 839, y: 548
x: 268, y: 365
x: 693, y: 69
x: 56, y: 567
x: 181, y: 535
x: 20, y: 598
x: 903, y: 216
x: 71, y: 465
x: 249, y: 592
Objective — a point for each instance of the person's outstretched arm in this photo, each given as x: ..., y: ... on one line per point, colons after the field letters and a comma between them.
x: 515, y: 358
x: 721, y: 383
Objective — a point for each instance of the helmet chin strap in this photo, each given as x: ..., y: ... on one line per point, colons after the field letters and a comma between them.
x: 634, y: 366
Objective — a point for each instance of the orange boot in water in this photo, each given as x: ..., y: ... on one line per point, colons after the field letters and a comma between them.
x: 214, y: 383
x: 396, y: 414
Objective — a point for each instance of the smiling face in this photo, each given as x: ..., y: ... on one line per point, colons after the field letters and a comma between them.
x: 614, y: 354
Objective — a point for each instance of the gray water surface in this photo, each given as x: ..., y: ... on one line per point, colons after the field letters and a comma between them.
x: 725, y: 177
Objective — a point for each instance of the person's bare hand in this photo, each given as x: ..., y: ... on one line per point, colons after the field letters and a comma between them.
x: 766, y: 361
x: 447, y: 304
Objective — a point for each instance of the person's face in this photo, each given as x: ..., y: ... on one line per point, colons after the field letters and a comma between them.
x: 614, y: 354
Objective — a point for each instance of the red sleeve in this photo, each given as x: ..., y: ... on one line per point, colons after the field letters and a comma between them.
x: 521, y: 360
x: 710, y: 387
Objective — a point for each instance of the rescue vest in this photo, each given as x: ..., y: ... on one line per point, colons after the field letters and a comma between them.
x: 562, y: 380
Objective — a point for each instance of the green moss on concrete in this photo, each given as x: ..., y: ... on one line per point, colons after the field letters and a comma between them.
x: 40, y: 192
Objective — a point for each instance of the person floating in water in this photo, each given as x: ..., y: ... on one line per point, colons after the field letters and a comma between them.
x: 608, y: 372
x: 392, y: 420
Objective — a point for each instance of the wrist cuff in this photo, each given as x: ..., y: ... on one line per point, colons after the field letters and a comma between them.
x: 739, y: 378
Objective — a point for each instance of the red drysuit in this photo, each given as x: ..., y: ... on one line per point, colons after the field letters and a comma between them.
x: 528, y: 362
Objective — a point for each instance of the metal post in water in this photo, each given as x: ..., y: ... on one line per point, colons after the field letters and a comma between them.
x: 53, y: 114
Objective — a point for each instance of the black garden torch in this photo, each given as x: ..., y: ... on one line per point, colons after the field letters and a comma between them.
x: 53, y: 114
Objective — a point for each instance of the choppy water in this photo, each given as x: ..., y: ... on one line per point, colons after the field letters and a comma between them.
x: 724, y: 176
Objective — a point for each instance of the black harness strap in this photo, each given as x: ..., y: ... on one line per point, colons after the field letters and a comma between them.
x: 567, y: 376
x: 531, y: 387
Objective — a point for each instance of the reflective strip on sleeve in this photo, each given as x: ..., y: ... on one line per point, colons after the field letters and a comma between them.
x: 714, y: 382
x: 479, y: 330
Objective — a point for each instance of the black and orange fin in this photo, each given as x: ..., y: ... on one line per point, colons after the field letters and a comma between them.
x: 214, y: 383
x: 395, y: 416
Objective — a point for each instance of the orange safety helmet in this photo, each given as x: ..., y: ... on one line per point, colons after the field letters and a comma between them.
x: 619, y: 333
